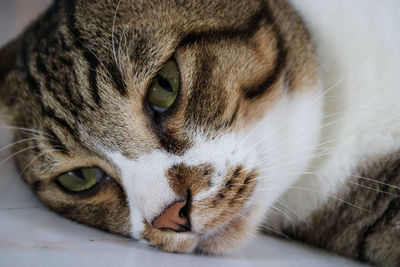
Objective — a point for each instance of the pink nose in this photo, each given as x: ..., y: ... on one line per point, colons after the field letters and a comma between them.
x: 173, y: 218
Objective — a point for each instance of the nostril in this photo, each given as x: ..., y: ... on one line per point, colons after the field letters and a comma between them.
x: 175, y: 217
x: 184, y: 211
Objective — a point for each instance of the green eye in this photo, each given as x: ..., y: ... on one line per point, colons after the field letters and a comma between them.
x: 81, y: 179
x: 165, y: 87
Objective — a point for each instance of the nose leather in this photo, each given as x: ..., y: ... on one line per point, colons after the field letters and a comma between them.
x: 173, y: 219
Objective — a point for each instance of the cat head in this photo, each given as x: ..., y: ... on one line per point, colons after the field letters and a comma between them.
x: 166, y: 121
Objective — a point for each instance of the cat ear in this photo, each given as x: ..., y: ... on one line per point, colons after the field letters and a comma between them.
x: 8, y: 55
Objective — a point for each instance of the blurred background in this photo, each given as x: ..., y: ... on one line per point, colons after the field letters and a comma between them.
x: 16, y: 14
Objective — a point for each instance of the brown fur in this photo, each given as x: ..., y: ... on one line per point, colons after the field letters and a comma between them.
x: 194, y: 178
x: 227, y: 202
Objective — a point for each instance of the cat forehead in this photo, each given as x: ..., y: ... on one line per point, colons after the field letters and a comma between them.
x: 150, y: 30
x: 191, y: 14
x: 133, y: 39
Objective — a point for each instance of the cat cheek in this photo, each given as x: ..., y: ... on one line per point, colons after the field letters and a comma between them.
x: 234, y: 235
x: 232, y: 199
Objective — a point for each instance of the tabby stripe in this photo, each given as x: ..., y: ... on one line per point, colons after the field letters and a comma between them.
x: 70, y: 8
x: 280, y: 62
x: 68, y: 95
x: 391, y: 211
x: 93, y: 64
x: 202, y: 109
x: 48, y: 76
x: 258, y: 90
x: 49, y: 113
x: 248, y: 31
x: 198, y: 110
x: 56, y: 43
x: 118, y: 80
x: 384, y: 187
x: 75, y: 95
x: 62, y: 122
x: 56, y: 143
x: 33, y: 83
x: 394, y: 202
x: 77, y: 105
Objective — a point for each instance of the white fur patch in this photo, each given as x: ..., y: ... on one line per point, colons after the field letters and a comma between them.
x: 358, y: 46
x: 285, y: 141
x: 145, y: 182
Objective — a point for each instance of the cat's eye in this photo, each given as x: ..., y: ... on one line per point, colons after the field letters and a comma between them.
x: 81, y: 179
x: 164, y: 88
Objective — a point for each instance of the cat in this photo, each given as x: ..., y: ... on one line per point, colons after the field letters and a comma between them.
x: 190, y: 125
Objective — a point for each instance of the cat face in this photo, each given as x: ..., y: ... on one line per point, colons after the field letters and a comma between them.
x: 166, y: 121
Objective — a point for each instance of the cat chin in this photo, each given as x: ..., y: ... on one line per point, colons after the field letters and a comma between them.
x: 169, y: 241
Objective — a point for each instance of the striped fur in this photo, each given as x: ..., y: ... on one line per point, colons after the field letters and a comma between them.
x: 363, y: 221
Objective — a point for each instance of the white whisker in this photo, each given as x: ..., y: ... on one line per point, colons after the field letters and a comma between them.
x: 16, y: 153
x: 315, y: 191
x: 28, y: 130
x: 286, y: 205
x: 290, y: 220
x: 21, y: 141
x: 35, y: 158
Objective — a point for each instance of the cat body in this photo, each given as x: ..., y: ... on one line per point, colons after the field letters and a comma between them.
x: 358, y: 54
x: 189, y: 125
x: 362, y: 89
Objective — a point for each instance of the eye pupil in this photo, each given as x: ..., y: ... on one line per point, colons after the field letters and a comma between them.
x: 164, y: 83
x: 79, y: 174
